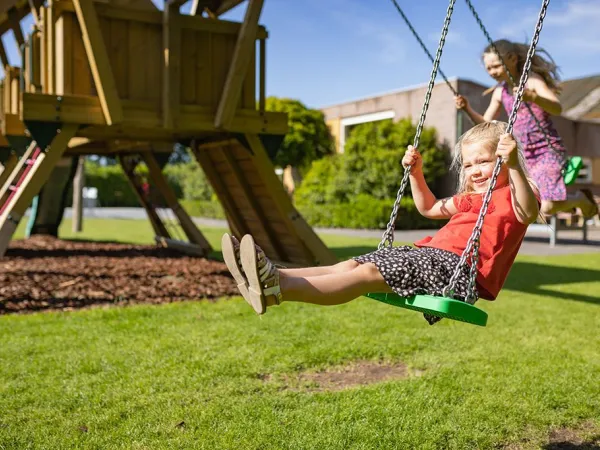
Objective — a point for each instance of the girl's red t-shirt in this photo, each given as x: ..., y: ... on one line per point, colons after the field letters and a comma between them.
x: 501, y: 237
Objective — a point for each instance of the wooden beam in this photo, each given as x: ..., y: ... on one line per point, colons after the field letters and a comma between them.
x: 226, y: 5
x: 129, y: 170
x: 34, y: 5
x: 3, y: 57
x: 196, y: 8
x: 312, y: 246
x: 249, y: 199
x: 15, y: 24
x: 176, y: 3
x: 172, y: 65
x: 239, y: 65
x: 189, y: 227
x: 32, y: 184
x: 236, y: 221
x: 9, y: 166
x: 99, y: 62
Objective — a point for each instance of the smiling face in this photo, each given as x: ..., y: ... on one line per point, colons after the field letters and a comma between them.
x: 493, y: 66
x: 478, y: 165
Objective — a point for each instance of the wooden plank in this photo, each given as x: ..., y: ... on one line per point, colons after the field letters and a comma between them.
x: 189, y: 227
x: 82, y: 75
x: 15, y: 24
x: 9, y: 166
x: 203, y: 68
x: 155, y: 62
x: 3, y: 56
x: 239, y: 65
x: 217, y: 26
x: 119, y: 55
x: 236, y: 221
x: 248, y: 195
x: 99, y: 61
x: 12, y: 125
x: 262, y: 75
x: 137, y: 61
x: 188, y: 67
x: 64, y: 54
x: 172, y: 66
x: 314, y: 249
x: 50, y: 47
x: 44, y: 49
x: 226, y: 5
x: 248, y: 95
x: 70, y: 109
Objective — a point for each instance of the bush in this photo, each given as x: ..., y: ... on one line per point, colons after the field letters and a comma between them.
x: 365, y: 212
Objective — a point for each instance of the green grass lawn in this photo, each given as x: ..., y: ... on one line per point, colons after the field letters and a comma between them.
x: 204, y: 375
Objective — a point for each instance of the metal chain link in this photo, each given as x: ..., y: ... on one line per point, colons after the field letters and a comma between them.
x: 510, y: 76
x: 422, y: 44
x: 473, y: 242
x: 388, y: 235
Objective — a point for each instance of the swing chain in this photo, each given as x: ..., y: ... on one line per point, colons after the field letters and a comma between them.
x: 388, y: 235
x: 422, y: 44
x: 473, y: 242
x: 510, y: 76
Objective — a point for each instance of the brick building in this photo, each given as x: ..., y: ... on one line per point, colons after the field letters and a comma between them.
x: 579, y: 125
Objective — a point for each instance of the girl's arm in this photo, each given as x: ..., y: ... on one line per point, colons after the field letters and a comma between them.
x: 491, y: 112
x: 539, y: 93
x: 523, y: 199
x: 427, y: 203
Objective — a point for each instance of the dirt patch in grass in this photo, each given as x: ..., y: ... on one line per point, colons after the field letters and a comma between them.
x: 47, y: 273
x: 583, y: 437
x: 360, y: 373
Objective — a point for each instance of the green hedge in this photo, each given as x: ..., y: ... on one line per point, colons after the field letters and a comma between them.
x: 365, y: 212
x: 201, y: 208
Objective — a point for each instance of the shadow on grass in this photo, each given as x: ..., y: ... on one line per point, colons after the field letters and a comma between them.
x: 591, y: 444
x: 530, y: 277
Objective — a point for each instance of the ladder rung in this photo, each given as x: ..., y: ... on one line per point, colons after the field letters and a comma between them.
x: 30, y: 162
x: 13, y: 188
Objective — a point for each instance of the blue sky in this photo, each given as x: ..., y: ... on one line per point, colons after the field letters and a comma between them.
x: 324, y: 52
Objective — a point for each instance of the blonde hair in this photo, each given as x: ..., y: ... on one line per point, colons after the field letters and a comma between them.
x: 485, y: 134
x: 544, y: 67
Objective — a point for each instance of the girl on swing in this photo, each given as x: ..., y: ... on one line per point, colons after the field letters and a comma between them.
x: 427, y: 268
x: 544, y: 163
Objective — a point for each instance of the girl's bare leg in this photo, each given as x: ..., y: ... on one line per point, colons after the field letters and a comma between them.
x: 344, y: 266
x: 334, y: 288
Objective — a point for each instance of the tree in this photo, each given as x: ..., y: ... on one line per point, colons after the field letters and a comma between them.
x: 308, y: 138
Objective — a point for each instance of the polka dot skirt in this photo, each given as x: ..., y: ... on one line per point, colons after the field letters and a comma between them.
x: 411, y: 271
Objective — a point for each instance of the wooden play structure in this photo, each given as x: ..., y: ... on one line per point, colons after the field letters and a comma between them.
x: 121, y: 78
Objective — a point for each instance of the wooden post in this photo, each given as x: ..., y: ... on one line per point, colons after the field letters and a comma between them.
x: 172, y: 65
x: 78, y: 185
x: 187, y: 224
x: 239, y: 65
x: 262, y: 80
x: 157, y: 225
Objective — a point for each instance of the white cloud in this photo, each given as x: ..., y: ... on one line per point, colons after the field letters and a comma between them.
x: 453, y: 37
x: 571, y: 27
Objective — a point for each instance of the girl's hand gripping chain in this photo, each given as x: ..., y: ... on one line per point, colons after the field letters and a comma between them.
x: 413, y: 159
x: 507, y: 150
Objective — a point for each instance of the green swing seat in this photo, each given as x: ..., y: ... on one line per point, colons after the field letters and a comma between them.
x: 436, y: 306
x: 572, y: 169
